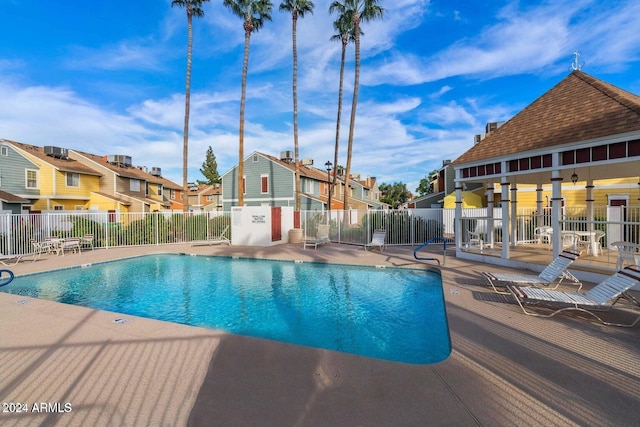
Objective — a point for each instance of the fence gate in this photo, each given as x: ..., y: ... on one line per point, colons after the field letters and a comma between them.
x: 276, y: 223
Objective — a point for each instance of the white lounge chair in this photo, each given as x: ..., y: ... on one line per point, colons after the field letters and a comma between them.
x: 552, y: 275
x: 377, y: 240
x: 322, y: 237
x: 10, y: 259
x: 601, y: 298
x: 220, y: 238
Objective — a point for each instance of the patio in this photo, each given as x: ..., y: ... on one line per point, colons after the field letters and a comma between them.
x: 505, y: 368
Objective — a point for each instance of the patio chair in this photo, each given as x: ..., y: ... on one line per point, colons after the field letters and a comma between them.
x: 40, y: 248
x: 377, y: 240
x: 551, y: 277
x: 627, y: 252
x: 10, y: 259
x: 601, y: 298
x: 543, y: 234
x: 322, y: 237
x: 87, y: 241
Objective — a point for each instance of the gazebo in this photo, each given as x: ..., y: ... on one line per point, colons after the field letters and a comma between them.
x: 583, y: 129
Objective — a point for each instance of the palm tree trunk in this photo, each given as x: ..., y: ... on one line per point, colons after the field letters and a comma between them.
x: 354, y: 104
x: 340, y: 95
x: 294, y: 20
x: 245, y: 66
x: 187, y: 103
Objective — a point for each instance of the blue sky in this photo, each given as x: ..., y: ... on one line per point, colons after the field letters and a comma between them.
x: 108, y: 77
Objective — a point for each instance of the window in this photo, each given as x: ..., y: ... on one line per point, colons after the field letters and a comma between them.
x: 172, y: 194
x: 73, y: 179
x: 58, y: 207
x: 309, y: 186
x: 255, y: 158
x: 32, y: 178
x: 146, y: 188
x: 264, y: 182
x: 160, y: 190
x: 244, y: 185
x: 4, y: 151
x: 134, y: 184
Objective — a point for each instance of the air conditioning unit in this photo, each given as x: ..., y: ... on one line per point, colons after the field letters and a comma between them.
x: 119, y: 159
x: 57, y: 152
x: 155, y: 171
x: 478, y: 138
x: 307, y: 162
x: 286, y: 156
x: 143, y: 168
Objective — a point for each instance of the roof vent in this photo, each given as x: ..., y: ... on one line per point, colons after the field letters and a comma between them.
x: 57, y: 152
x: 119, y: 160
x: 286, y: 156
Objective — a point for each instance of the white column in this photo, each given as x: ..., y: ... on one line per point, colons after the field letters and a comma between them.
x: 539, y: 206
x: 556, y: 205
x: 458, y: 228
x: 590, y: 205
x: 490, y: 222
x: 505, y: 214
x: 514, y: 214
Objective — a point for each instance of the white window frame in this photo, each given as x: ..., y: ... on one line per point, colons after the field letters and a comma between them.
x: 4, y: 150
x: 58, y: 207
x: 172, y: 194
x: 160, y: 189
x: 263, y: 176
x: 73, y: 175
x: 36, y: 179
x: 134, y: 185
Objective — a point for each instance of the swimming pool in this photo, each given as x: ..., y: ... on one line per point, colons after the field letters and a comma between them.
x: 387, y: 313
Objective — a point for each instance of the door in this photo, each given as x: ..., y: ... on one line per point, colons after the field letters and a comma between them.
x: 276, y: 223
x: 615, y: 217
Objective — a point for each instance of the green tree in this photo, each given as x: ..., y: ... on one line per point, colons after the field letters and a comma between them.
x: 210, y: 168
x: 362, y: 11
x: 394, y: 194
x: 253, y: 14
x: 344, y: 26
x: 297, y: 8
x: 426, y: 184
x: 194, y: 8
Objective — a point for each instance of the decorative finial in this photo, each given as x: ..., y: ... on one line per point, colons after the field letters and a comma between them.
x: 576, y: 65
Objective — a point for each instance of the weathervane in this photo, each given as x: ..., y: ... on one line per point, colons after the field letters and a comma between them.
x: 576, y: 65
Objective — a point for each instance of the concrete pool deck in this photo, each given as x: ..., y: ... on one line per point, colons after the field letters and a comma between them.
x: 78, y: 366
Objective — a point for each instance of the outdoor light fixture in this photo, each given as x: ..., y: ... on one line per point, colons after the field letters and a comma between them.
x: 574, y: 177
x: 638, y: 190
x: 328, y: 166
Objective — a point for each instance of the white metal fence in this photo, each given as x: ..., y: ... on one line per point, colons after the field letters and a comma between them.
x: 404, y: 227
x: 109, y: 229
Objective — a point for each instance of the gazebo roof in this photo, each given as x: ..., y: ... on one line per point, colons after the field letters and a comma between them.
x: 579, y: 108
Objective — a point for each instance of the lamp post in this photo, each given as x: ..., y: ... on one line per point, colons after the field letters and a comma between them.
x: 328, y: 166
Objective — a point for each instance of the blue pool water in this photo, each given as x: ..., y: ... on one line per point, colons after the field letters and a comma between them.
x: 387, y: 313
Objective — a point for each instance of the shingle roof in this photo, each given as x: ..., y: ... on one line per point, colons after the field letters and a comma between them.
x: 579, y: 108
x: 11, y: 198
x: 67, y: 165
x: 129, y: 171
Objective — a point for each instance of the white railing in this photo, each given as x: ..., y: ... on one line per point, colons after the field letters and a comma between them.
x: 404, y: 227
x: 109, y: 229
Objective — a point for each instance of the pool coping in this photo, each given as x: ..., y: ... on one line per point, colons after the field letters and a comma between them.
x: 562, y: 370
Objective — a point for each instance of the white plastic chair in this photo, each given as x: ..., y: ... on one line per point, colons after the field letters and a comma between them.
x: 628, y: 252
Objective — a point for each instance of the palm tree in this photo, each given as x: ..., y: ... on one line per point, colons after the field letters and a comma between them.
x: 363, y: 11
x: 194, y: 8
x: 253, y: 13
x: 297, y: 8
x: 344, y: 26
